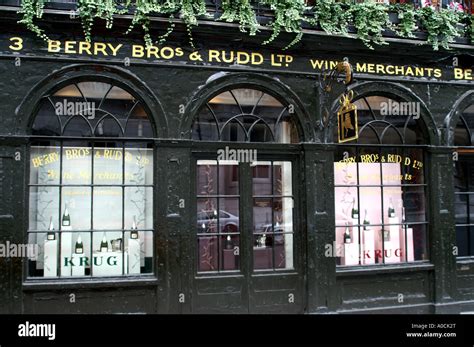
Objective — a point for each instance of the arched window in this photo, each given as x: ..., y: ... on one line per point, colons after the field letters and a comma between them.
x: 91, y: 183
x: 380, y: 186
x: 245, y: 115
x: 235, y: 116
x: 464, y: 183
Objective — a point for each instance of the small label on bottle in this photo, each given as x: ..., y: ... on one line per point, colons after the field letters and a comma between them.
x: 79, y: 251
x: 66, y: 223
x: 103, y: 249
x: 51, y: 237
x: 355, y: 216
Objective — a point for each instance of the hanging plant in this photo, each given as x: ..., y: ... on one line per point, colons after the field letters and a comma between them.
x: 240, y: 11
x: 32, y: 10
x: 408, y: 20
x: 332, y: 16
x: 370, y: 20
x: 441, y: 26
x: 288, y: 15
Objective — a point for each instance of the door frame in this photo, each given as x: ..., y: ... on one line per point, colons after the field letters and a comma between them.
x: 246, y: 275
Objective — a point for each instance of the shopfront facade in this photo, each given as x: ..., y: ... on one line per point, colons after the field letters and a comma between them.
x: 170, y: 181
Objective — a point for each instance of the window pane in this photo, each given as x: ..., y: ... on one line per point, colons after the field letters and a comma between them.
x: 228, y: 178
x: 346, y: 205
x: 107, y: 208
x: 208, y: 253
x: 414, y: 204
x: 139, y: 251
x: 206, y: 180
x: 261, y: 178
x: 139, y: 207
x: 229, y: 215
x: 108, y: 254
x: 44, y: 164
x: 44, y: 208
x: 207, y: 217
x: 283, y: 248
x: 108, y: 165
x: 75, y: 208
x: 138, y: 165
x: 282, y: 178
x: 229, y: 252
x: 76, y: 165
x: 462, y: 240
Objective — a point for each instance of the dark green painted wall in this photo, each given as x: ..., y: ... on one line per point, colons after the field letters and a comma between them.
x: 440, y: 286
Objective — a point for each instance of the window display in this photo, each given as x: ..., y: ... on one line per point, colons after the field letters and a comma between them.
x: 98, y: 192
x: 463, y: 184
x: 387, y: 184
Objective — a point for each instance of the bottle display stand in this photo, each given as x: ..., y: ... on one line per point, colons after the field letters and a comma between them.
x: 50, y: 258
x: 368, y: 245
x: 408, y: 255
x: 66, y: 251
x: 133, y: 256
x: 351, y: 250
x: 392, y: 247
x: 79, y: 268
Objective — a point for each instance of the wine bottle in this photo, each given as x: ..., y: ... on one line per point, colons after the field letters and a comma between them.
x: 228, y: 243
x: 385, y: 232
x: 366, y: 221
x: 134, y: 232
x: 103, y: 245
x: 66, y: 220
x: 51, y: 234
x: 79, y: 248
x: 355, y: 211
x: 391, y: 210
x: 347, y: 235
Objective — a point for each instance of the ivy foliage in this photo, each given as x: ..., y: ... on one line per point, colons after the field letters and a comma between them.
x: 441, y: 26
x: 369, y: 18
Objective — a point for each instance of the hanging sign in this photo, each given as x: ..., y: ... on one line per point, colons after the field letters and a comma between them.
x: 347, y: 119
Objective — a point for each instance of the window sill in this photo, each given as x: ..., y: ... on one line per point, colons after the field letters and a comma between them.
x: 90, y: 283
x: 382, y: 269
x: 465, y: 260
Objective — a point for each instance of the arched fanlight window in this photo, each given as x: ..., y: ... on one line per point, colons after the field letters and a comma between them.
x: 385, y: 120
x: 245, y: 115
x: 91, y: 183
x: 88, y: 109
x: 380, y: 187
x: 464, y: 183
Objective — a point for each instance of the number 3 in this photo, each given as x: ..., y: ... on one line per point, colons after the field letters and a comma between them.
x: 17, y: 44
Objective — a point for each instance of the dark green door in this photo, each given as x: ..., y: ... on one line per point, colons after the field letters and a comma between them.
x: 248, y: 243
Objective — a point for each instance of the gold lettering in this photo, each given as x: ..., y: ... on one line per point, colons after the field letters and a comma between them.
x: 167, y: 53
x: 54, y: 46
x: 213, y: 54
x: 152, y: 50
x: 318, y: 64
x: 84, y: 47
x: 69, y: 47
x: 100, y: 47
x: 114, y: 49
x: 361, y: 67
x: 179, y: 52
x: 137, y: 51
